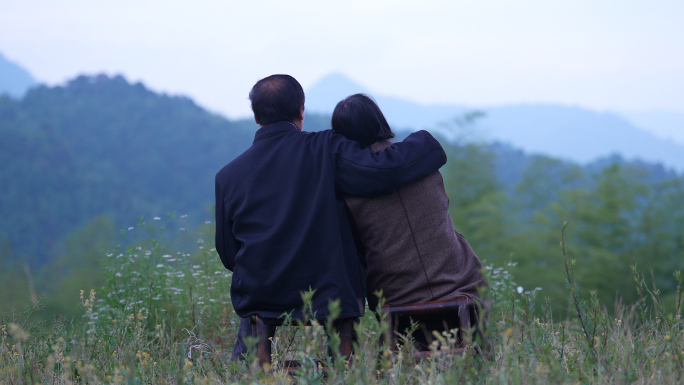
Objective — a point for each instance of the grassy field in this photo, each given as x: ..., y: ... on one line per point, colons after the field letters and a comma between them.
x: 164, y: 316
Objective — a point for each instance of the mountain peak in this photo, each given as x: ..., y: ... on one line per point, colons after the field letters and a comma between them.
x: 330, y: 89
x: 14, y: 80
x: 337, y: 80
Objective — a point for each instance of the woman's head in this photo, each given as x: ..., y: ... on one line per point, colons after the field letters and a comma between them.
x: 358, y: 118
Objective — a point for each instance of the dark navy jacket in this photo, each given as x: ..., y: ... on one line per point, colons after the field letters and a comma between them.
x: 281, y: 221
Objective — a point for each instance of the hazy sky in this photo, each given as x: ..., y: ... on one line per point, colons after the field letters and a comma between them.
x: 617, y: 55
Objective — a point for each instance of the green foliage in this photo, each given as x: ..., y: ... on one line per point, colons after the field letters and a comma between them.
x: 78, y: 267
x: 16, y: 290
x: 618, y: 217
x: 56, y: 282
x: 476, y: 198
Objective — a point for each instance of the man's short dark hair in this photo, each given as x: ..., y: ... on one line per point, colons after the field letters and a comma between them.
x: 276, y: 98
x: 358, y: 118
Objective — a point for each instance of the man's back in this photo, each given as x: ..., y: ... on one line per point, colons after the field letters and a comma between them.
x: 281, y: 201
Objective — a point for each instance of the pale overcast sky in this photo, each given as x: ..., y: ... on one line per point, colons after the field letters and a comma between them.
x: 617, y: 55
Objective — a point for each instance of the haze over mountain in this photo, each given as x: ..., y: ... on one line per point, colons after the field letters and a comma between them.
x: 666, y: 124
x: 324, y: 95
x: 568, y: 132
x: 14, y: 80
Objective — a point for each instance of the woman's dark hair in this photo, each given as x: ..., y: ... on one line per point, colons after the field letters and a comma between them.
x: 358, y: 118
x: 276, y: 98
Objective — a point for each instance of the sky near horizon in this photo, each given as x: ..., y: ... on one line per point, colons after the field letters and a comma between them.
x: 605, y: 55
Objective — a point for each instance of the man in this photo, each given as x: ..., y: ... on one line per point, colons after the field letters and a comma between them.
x: 281, y: 221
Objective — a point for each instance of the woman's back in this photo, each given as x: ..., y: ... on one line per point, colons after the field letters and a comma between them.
x: 413, y: 252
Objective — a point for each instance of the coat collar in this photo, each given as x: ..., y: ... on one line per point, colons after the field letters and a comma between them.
x: 274, y: 128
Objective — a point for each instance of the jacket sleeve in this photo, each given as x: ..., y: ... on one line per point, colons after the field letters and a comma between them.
x: 226, y: 244
x: 362, y: 173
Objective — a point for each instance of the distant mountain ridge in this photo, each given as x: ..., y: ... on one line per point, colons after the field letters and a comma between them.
x: 323, y: 96
x: 666, y: 124
x: 577, y: 134
x: 14, y: 80
x: 572, y: 133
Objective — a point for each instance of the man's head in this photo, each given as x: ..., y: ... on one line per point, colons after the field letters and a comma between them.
x: 277, y: 98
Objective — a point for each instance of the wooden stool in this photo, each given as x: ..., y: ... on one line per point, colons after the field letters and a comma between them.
x: 458, y: 313
x: 344, y: 326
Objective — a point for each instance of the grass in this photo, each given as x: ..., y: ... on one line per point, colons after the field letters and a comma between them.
x: 164, y: 316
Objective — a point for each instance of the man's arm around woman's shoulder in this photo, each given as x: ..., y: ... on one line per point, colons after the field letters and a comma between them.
x: 363, y: 173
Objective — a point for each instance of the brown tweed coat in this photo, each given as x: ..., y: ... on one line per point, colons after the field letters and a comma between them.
x: 413, y: 252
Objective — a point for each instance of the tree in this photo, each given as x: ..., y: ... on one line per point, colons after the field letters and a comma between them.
x: 603, y: 231
x: 476, y: 200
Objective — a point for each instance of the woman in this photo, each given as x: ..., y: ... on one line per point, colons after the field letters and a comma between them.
x: 413, y: 253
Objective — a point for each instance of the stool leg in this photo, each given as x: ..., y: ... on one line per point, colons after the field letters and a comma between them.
x: 261, y: 331
x: 464, y: 321
x: 387, y: 317
x: 392, y: 321
x: 345, y: 328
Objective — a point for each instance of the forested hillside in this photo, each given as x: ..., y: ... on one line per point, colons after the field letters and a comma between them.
x: 619, y: 214
x: 82, y: 162
x: 103, y: 147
